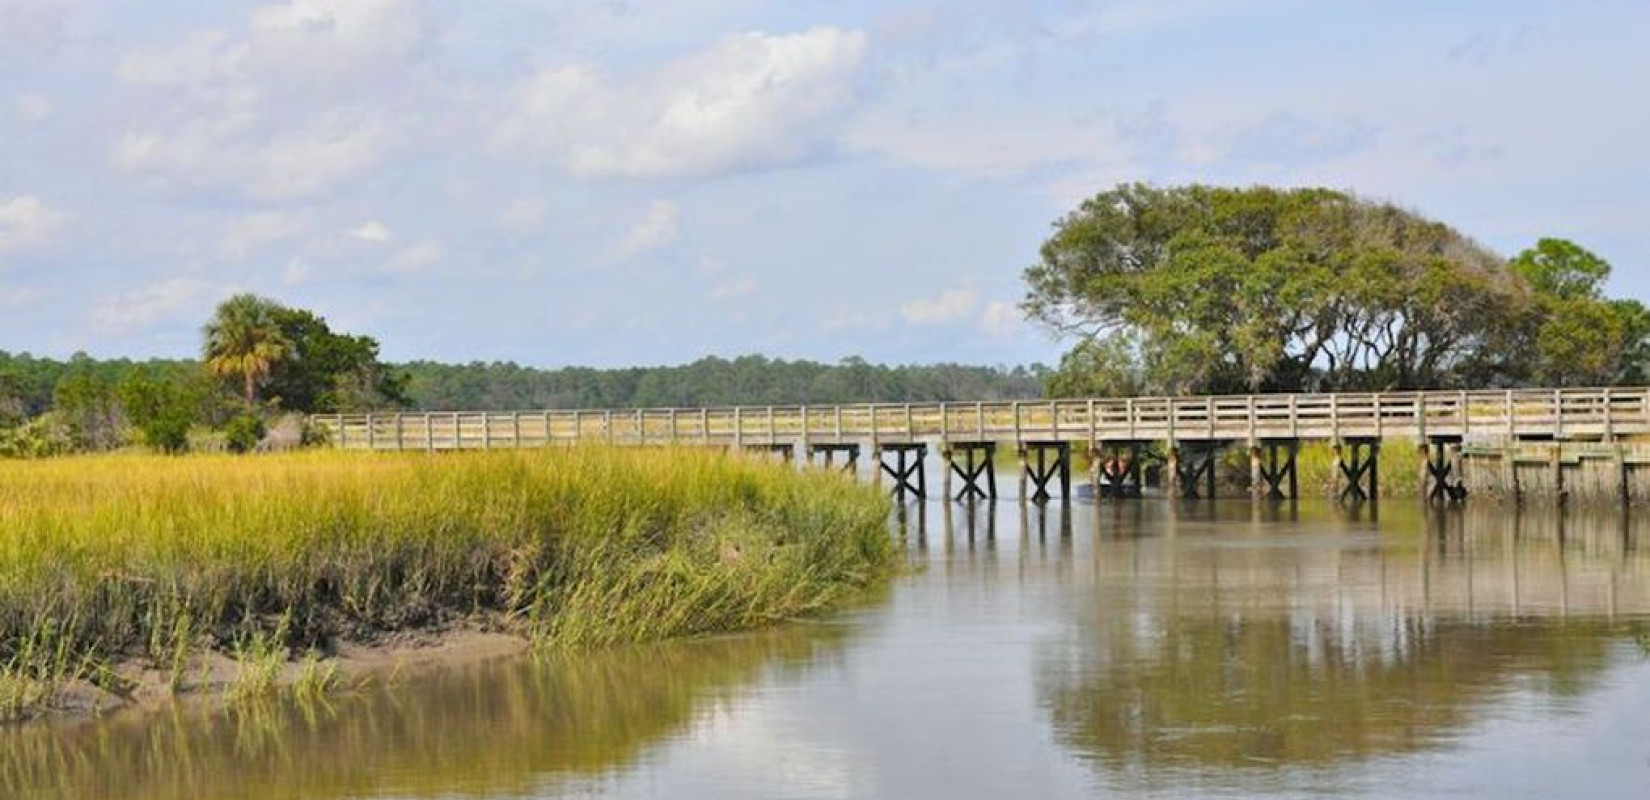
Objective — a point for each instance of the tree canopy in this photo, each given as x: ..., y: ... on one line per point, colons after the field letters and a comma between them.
x: 1199, y: 289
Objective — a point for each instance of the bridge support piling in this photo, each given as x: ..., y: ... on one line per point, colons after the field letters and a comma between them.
x: 1193, y: 467
x: 1044, y: 462
x: 1358, y: 460
x: 907, y: 470
x: 784, y: 450
x: 1442, y: 458
x: 975, y: 464
x: 1272, y: 463
x: 1119, y: 470
x: 829, y: 453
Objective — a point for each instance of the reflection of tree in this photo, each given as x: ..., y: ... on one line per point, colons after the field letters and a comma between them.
x: 490, y: 730
x: 1224, y: 691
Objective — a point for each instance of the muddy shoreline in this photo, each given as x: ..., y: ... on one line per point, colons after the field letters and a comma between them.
x: 215, y: 677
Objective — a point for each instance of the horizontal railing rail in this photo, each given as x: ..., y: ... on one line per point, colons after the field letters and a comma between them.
x: 1521, y: 413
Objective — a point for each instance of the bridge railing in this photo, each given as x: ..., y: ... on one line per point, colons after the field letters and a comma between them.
x: 1557, y: 413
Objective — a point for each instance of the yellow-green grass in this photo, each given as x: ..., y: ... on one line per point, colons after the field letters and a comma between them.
x: 104, y: 559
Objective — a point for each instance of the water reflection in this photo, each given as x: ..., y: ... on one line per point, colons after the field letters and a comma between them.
x: 531, y: 728
x: 1314, y: 636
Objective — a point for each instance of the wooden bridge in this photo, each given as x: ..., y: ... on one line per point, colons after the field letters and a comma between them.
x: 1114, y: 430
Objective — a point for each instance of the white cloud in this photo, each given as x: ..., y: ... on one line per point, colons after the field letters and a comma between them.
x: 291, y: 107
x: 372, y: 231
x: 416, y: 258
x: 733, y: 289
x: 297, y: 271
x: 948, y: 306
x: 247, y: 234
x: 27, y: 222
x: 751, y: 101
x: 1001, y: 318
x: 662, y: 227
x: 142, y: 308
x: 228, y: 150
x: 523, y: 216
x: 18, y: 298
x: 328, y: 40
x: 33, y: 108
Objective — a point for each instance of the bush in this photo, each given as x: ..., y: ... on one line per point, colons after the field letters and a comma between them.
x: 163, y: 411
x: 243, y: 433
x: 41, y: 437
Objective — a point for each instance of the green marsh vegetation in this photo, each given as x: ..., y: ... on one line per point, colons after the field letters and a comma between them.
x: 110, y: 559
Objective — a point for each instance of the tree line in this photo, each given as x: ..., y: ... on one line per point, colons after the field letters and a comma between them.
x: 263, y: 362
x: 1211, y: 290
x: 746, y: 380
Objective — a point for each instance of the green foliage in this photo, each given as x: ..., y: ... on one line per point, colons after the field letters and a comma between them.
x: 328, y: 372
x: 1101, y: 367
x: 709, y: 382
x: 87, y: 402
x: 243, y: 433
x: 41, y: 437
x: 1575, y: 336
x: 163, y: 411
x: 1250, y: 290
x: 1562, y: 269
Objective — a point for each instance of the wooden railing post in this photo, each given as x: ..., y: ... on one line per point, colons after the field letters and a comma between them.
x: 1609, y: 418
x: 1558, y: 413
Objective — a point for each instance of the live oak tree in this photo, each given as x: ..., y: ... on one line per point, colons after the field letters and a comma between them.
x: 1259, y: 289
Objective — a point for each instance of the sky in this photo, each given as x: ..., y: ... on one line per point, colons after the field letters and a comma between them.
x: 619, y: 182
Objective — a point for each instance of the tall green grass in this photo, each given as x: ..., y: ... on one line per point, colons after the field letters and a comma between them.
x: 153, y: 557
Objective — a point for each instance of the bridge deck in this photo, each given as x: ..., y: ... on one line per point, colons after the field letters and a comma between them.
x: 1533, y: 413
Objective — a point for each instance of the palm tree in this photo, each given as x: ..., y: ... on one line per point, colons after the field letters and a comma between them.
x: 244, y: 339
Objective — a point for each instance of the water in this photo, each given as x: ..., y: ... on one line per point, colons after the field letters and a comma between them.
x: 1138, y: 649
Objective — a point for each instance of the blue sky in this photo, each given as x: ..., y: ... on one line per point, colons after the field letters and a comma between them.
x: 615, y: 182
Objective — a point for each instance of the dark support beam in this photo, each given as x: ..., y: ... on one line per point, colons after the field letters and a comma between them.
x: 1359, y: 461
x: 785, y: 450
x: 849, y: 453
x: 1275, y: 463
x: 1119, y: 470
x: 907, y: 469
x: 1194, y: 466
x: 1043, y: 463
x: 1441, y: 487
x: 975, y: 463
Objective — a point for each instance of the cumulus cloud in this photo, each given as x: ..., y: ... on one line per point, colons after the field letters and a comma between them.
x: 32, y: 107
x: 144, y: 307
x: 290, y: 107
x: 661, y: 228
x: 733, y: 289
x: 414, y: 259
x: 1000, y: 318
x: 251, y: 232
x: 523, y: 216
x: 751, y: 101
x: 372, y: 231
x: 27, y: 222
x: 948, y: 306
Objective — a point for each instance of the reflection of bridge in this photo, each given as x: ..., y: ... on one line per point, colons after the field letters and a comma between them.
x: 1114, y: 431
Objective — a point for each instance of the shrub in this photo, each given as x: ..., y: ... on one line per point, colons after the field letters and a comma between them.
x: 243, y: 433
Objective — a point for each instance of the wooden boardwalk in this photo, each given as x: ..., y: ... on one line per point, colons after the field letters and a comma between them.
x: 1580, y: 414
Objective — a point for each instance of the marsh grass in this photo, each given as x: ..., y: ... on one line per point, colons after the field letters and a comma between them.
x: 264, y: 557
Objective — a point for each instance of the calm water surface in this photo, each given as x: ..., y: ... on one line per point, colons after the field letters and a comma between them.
x: 1125, y: 650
